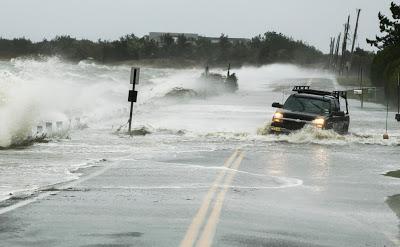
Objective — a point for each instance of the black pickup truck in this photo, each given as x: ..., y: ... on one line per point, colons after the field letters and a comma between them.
x: 306, y: 106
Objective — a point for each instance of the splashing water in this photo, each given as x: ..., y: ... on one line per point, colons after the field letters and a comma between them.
x: 36, y: 91
x: 33, y: 92
x: 311, y: 135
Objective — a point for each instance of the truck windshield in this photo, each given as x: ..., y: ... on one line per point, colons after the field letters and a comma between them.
x: 307, y: 105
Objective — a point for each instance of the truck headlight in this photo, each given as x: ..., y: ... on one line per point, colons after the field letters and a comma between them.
x: 319, y: 122
x: 277, y: 118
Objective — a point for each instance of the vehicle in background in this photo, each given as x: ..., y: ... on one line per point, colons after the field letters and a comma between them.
x: 216, y: 81
x: 306, y: 106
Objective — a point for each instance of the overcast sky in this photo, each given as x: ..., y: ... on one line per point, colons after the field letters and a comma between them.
x: 313, y: 21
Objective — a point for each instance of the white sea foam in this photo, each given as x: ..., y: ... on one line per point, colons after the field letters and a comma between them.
x: 311, y: 135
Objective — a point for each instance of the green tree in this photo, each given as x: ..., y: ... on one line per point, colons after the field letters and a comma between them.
x: 203, y: 50
x: 390, y: 28
x: 183, y: 47
x: 386, y: 64
x: 262, y: 49
x: 224, y: 48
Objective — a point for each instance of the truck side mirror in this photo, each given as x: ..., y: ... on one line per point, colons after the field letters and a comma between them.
x: 339, y: 114
x: 277, y: 105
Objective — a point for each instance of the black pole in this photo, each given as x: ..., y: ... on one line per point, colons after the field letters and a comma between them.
x: 132, y: 97
x: 130, y: 114
x: 362, y: 89
x: 398, y: 93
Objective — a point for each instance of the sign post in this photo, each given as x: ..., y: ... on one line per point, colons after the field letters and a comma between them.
x: 398, y: 98
x: 132, y: 97
x: 361, y: 87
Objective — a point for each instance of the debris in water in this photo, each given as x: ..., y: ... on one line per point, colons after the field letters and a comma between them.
x: 180, y: 132
x: 141, y: 131
x: 179, y: 92
x: 82, y: 126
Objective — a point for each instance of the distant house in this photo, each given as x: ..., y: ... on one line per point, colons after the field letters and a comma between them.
x: 156, y: 36
x: 215, y: 40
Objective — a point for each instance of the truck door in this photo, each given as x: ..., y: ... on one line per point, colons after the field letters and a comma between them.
x: 338, y: 121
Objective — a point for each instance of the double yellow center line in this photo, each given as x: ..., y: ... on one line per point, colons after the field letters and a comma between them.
x: 207, y: 235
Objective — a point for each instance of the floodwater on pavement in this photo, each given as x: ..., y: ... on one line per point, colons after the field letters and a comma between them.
x: 323, y: 181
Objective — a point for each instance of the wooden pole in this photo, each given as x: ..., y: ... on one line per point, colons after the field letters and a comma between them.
x: 337, y: 51
x: 344, y: 46
x: 355, y: 37
x: 331, y: 51
x: 355, y: 31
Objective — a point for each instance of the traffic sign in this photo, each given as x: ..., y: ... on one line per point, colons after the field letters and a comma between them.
x: 135, y: 75
x: 132, y: 97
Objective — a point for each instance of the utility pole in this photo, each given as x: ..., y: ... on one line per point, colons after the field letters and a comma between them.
x: 337, y: 51
x: 355, y: 37
x: 331, y: 51
x: 132, y: 97
x: 355, y: 31
x: 344, y: 46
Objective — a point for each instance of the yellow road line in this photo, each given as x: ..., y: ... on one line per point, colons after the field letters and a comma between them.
x: 193, y: 230
x: 207, y: 236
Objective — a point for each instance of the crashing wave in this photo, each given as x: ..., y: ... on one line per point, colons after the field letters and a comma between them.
x: 24, y: 142
x: 180, y: 92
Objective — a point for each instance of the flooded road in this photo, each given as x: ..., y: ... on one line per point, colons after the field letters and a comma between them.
x: 203, y: 176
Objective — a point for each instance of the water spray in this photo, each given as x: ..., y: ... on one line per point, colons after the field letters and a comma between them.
x: 122, y: 126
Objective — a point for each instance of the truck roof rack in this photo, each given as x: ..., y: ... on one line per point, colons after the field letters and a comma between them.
x: 296, y: 88
x: 307, y: 90
x: 338, y: 94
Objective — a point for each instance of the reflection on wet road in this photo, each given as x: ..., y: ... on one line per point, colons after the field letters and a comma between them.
x: 260, y: 195
x: 207, y: 235
x: 394, y: 204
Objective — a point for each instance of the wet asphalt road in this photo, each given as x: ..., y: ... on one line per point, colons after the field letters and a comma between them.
x: 259, y: 194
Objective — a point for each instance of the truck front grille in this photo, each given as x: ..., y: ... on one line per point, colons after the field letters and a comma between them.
x: 293, y: 125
